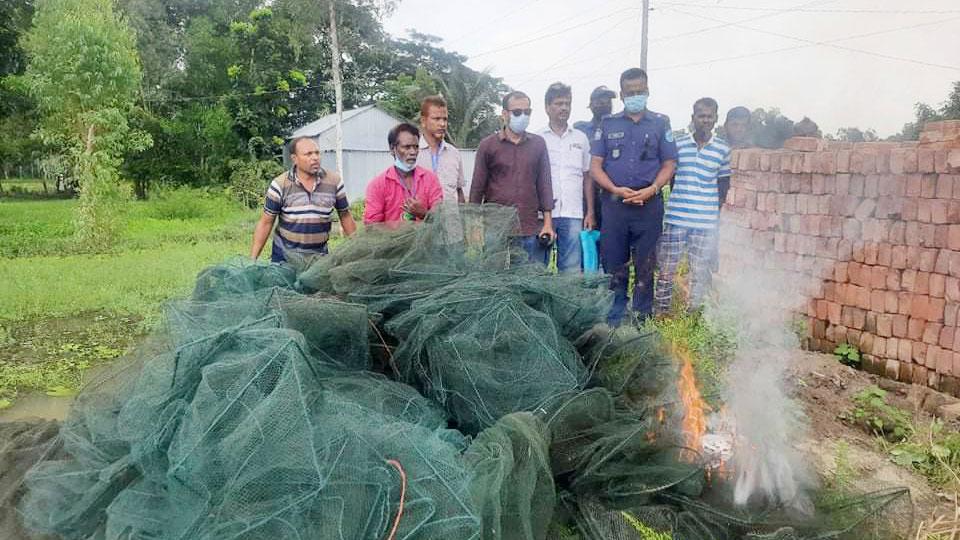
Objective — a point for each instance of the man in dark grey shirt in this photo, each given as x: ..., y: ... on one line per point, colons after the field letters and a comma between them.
x: 512, y: 168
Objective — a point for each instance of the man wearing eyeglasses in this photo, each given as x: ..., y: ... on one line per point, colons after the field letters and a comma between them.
x: 512, y: 168
x: 633, y: 158
x: 569, y: 151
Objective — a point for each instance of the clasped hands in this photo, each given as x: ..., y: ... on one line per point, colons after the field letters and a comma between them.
x: 636, y: 196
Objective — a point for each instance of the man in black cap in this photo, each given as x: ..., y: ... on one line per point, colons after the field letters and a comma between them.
x: 601, y: 104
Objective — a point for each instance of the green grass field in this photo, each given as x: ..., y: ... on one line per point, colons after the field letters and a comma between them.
x: 48, y: 286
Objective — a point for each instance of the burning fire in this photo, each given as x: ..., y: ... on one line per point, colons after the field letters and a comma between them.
x: 694, y: 424
x: 714, y: 449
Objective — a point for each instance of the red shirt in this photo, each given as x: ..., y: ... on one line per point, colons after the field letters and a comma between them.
x: 386, y: 194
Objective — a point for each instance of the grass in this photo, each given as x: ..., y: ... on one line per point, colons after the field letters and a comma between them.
x: 27, y: 187
x: 711, y: 348
x: 929, y: 448
x: 132, y: 282
x: 104, y: 301
x: 31, y: 228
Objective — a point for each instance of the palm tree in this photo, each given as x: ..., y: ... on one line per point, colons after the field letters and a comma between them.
x: 472, y: 99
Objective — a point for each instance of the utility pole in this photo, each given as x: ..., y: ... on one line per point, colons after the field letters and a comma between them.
x: 645, y: 29
x: 337, y: 82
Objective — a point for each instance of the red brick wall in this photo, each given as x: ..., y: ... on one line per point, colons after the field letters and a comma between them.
x: 874, y: 228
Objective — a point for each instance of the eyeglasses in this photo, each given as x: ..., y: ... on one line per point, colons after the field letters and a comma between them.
x: 521, y: 112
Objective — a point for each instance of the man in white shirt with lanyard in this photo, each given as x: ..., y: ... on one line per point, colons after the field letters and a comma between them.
x: 569, y: 151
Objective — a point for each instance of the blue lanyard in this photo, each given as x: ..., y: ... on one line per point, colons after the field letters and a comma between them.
x: 411, y: 194
x: 435, y: 158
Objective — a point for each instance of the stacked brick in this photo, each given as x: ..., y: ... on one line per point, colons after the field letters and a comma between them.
x: 873, y: 231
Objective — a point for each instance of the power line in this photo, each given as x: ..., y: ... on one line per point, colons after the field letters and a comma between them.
x: 579, y: 49
x: 482, y: 27
x: 832, y: 43
x: 819, y: 10
x: 552, y: 34
x: 734, y: 23
x: 354, y: 81
x: 813, y: 2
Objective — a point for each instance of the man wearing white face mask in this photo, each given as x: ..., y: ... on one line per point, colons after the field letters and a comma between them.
x: 512, y: 168
x: 405, y: 191
x: 634, y: 156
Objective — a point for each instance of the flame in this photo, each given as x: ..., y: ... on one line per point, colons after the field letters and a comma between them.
x: 661, y: 420
x: 694, y: 423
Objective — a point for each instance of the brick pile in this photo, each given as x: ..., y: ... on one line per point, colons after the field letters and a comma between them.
x: 874, y: 229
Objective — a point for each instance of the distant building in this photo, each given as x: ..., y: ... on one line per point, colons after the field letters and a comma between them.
x: 365, y: 151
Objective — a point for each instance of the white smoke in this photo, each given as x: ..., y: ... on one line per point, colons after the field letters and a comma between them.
x: 765, y: 421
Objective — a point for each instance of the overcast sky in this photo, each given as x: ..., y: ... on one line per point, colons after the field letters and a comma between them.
x: 843, y: 63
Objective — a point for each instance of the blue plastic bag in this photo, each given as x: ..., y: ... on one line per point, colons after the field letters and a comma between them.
x: 588, y: 246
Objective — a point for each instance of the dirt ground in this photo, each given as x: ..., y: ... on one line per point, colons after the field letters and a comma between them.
x: 826, y: 388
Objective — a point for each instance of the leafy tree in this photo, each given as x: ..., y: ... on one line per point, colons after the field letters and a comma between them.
x: 84, y: 74
x: 854, y: 134
x: 17, y: 110
x: 404, y: 94
x: 923, y: 113
x: 950, y: 109
x: 193, y: 146
x: 473, y: 97
x: 769, y: 128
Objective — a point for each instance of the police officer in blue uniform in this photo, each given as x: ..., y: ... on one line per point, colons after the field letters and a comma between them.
x: 634, y: 157
x: 601, y: 105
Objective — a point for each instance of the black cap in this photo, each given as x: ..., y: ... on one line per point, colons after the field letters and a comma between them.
x: 602, y: 92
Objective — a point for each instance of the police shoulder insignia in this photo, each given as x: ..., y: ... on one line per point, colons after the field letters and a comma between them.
x: 668, y: 135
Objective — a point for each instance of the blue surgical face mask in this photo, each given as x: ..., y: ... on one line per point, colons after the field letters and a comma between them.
x: 518, y: 124
x: 403, y: 165
x: 635, y: 104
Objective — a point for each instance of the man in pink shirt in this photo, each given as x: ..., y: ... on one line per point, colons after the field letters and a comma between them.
x: 405, y: 191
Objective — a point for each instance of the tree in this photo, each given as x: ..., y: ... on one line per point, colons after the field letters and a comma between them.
x: 855, y: 135
x: 17, y: 110
x: 923, y: 113
x: 84, y: 74
x: 404, y: 94
x: 473, y: 97
x: 769, y: 128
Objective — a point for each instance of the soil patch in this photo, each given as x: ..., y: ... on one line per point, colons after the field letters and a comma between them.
x: 826, y: 389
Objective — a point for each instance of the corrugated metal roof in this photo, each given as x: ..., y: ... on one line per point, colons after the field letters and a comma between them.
x: 328, y: 122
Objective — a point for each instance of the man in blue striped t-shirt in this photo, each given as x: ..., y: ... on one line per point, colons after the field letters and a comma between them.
x: 692, y: 217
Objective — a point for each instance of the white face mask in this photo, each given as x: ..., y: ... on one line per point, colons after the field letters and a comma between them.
x: 518, y: 124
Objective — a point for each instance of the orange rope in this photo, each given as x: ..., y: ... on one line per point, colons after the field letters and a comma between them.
x: 403, y: 496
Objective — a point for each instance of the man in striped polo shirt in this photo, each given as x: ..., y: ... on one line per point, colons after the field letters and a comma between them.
x: 693, y: 211
x: 304, y: 199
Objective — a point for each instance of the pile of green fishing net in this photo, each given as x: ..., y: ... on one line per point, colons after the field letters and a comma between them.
x: 421, y: 382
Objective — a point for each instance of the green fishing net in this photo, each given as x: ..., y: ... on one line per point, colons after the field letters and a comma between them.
x: 420, y: 382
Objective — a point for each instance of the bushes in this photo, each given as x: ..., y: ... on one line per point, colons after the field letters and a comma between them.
x: 185, y: 203
x: 249, y: 180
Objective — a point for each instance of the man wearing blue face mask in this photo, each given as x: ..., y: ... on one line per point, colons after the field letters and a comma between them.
x: 405, y: 191
x: 634, y: 156
x: 512, y: 168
